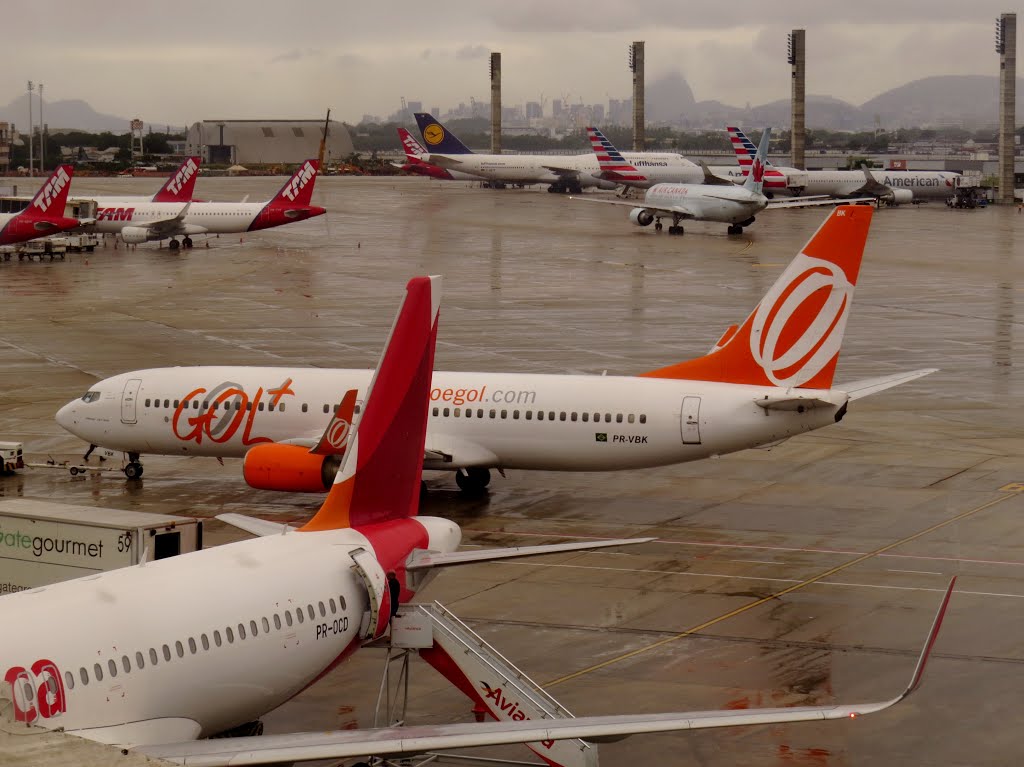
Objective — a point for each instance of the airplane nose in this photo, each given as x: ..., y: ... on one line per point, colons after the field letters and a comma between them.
x: 66, y: 417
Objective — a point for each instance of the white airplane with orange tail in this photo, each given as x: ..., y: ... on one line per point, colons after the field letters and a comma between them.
x: 45, y: 213
x: 766, y: 381
x: 156, y: 675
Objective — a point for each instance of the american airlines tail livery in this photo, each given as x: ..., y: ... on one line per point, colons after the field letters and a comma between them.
x: 158, y: 673
x: 766, y: 380
x: 44, y: 214
x: 149, y: 221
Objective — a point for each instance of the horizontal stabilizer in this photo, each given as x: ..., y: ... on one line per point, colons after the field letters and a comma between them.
x: 792, y: 400
x: 421, y: 560
x: 868, y: 386
x: 813, y: 202
x: 711, y: 179
x: 260, y: 527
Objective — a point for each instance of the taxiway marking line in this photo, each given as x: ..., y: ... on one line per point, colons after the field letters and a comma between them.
x: 781, y: 593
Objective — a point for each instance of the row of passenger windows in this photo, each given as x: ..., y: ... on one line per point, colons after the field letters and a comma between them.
x: 540, y: 415
x: 229, y: 636
x: 232, y: 405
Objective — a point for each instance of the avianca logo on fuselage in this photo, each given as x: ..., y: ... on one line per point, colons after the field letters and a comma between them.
x: 184, y: 174
x: 36, y: 692
x: 57, y: 182
x: 788, y: 361
x: 299, y: 180
x: 115, y: 214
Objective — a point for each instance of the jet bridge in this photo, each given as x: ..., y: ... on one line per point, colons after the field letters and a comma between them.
x: 497, y: 688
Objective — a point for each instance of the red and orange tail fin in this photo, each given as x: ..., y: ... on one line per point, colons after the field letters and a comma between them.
x: 339, y: 428
x: 794, y: 335
x: 299, y: 188
x: 52, y: 197
x: 182, y: 183
x: 413, y: 148
x: 380, y: 477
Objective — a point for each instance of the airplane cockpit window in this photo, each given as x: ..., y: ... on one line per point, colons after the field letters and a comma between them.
x: 90, y: 396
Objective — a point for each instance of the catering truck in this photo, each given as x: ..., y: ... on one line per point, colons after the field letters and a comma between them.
x: 43, y: 543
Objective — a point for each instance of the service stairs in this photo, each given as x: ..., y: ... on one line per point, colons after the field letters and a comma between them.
x: 483, y: 673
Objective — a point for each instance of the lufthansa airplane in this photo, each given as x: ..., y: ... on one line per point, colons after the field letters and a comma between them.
x: 152, y: 658
x: 766, y: 380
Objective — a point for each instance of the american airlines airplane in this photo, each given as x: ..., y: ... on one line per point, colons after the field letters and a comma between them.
x: 715, y: 200
x: 413, y: 164
x: 156, y: 674
x: 893, y: 187
x: 45, y: 213
x: 563, y: 173
x: 763, y: 382
x: 141, y: 221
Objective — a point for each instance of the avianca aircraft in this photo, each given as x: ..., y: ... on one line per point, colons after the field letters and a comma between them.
x: 139, y: 222
x: 764, y: 382
x: 564, y: 173
x: 615, y: 167
x: 413, y: 164
x: 715, y: 200
x: 892, y: 187
x: 44, y: 214
x: 157, y: 674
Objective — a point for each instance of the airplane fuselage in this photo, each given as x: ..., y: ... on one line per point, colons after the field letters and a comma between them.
x: 498, y: 420
x: 201, y: 218
x: 724, y: 204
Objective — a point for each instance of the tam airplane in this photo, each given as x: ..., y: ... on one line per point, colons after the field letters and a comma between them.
x: 563, y: 173
x: 717, y: 199
x: 413, y: 164
x: 45, y: 213
x: 156, y: 674
x: 763, y: 382
x: 148, y: 221
x: 893, y: 187
x: 179, y: 187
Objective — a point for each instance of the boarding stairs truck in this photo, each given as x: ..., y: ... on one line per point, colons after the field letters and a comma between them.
x: 43, y: 542
x: 497, y: 688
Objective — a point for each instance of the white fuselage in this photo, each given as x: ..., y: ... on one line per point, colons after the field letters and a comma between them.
x: 537, y: 169
x: 189, y: 646
x: 201, y: 218
x: 725, y: 204
x: 499, y: 420
x: 925, y: 184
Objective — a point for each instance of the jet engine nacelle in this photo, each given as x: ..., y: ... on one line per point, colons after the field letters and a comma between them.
x: 641, y: 217
x: 134, y: 235
x: 899, y: 196
x: 291, y: 468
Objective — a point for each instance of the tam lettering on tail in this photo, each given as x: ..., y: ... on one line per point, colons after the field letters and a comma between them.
x: 52, y: 197
x: 413, y: 148
x: 614, y: 166
x: 299, y: 189
x: 793, y: 337
x: 379, y: 480
x: 182, y: 183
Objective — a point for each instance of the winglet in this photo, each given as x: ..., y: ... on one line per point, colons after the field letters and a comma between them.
x: 181, y: 184
x: 926, y: 651
x: 379, y: 478
x: 793, y: 337
x: 339, y: 428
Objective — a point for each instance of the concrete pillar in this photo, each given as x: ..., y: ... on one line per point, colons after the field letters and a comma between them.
x: 636, y: 64
x: 797, y: 62
x: 1006, y: 47
x: 495, y: 103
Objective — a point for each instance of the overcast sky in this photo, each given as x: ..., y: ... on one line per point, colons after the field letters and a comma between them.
x: 183, y: 61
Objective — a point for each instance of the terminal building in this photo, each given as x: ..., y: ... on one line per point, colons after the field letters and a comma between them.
x: 266, y: 142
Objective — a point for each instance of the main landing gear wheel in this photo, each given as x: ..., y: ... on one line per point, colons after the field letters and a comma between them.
x: 473, y: 481
x: 658, y: 226
x: 187, y: 242
x: 735, y: 229
x: 173, y: 244
x: 133, y: 470
x: 675, y: 229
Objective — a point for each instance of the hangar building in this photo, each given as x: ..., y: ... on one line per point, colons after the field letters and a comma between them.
x: 266, y: 142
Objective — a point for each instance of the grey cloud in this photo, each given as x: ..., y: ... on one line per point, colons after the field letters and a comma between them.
x: 469, y: 52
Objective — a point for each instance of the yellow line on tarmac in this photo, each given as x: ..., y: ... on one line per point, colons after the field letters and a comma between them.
x: 790, y: 589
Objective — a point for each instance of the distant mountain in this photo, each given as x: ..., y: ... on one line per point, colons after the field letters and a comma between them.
x: 71, y: 113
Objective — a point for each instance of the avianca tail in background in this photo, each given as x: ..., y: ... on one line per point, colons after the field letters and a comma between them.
x: 44, y: 214
x: 158, y: 674
x: 413, y: 164
x: 138, y: 222
x: 768, y: 379
x: 891, y: 187
x: 717, y: 199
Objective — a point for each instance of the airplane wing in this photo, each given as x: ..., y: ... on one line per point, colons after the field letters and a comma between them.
x: 443, y: 160
x: 868, y: 386
x: 678, y: 210
x: 563, y: 172
x: 396, y: 741
x: 169, y: 227
x: 810, y: 202
x: 422, y: 560
x: 260, y: 527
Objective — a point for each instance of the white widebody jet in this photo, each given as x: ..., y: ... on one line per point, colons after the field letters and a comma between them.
x: 157, y: 656
x: 891, y: 187
x: 138, y: 221
x: 717, y: 199
x: 768, y: 380
x: 563, y: 173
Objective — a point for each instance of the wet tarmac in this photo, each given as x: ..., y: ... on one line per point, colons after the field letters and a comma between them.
x: 805, y: 574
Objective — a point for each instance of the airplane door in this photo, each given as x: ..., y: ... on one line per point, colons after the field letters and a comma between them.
x: 689, y: 421
x: 131, y: 393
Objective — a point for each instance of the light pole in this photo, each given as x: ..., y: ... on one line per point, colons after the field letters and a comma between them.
x: 42, y: 134
x: 31, y: 152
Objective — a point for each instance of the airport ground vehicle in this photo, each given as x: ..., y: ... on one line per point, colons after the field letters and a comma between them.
x: 11, y: 457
